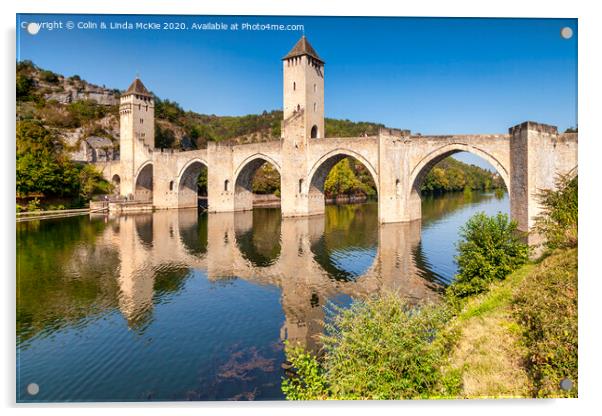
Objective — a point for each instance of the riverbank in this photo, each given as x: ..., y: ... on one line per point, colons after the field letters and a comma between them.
x: 520, y: 338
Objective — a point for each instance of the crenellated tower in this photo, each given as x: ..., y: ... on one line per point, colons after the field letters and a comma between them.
x: 137, y: 133
x: 304, y: 90
x: 303, y: 121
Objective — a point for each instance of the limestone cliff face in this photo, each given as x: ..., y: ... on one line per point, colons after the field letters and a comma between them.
x: 67, y: 90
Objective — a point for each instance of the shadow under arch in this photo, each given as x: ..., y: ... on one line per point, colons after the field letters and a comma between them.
x: 143, y: 190
x: 259, y: 240
x: 319, y: 172
x: 116, y: 182
x: 422, y: 168
x: 243, y: 182
x: 188, y: 188
x: 348, y: 247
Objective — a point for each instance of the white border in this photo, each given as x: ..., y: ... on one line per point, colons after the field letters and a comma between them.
x: 590, y: 149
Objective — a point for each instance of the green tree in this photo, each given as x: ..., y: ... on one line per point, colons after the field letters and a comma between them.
x: 43, y: 168
x: 164, y: 137
x: 490, y: 248
x: 24, y: 87
x: 559, y: 217
x: 342, y: 180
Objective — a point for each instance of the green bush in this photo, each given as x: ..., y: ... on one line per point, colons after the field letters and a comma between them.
x: 24, y: 87
x: 559, y: 217
x: 44, y: 168
x: 85, y: 111
x: 490, y: 248
x: 309, y: 382
x: 546, y: 308
x: 383, y: 348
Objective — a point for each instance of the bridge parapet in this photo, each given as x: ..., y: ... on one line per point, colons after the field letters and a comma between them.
x: 394, y: 132
x: 534, y: 126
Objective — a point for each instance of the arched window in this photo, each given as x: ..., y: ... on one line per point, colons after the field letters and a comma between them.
x: 315, y: 87
x: 171, y: 185
x: 315, y: 107
x: 300, y: 185
x: 226, y: 185
x: 298, y: 107
x: 314, y: 132
x: 294, y: 86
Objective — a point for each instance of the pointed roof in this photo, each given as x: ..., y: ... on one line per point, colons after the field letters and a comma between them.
x: 303, y: 47
x: 137, y: 87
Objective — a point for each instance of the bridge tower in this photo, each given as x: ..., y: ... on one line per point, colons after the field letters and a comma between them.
x: 303, y: 120
x: 136, y: 137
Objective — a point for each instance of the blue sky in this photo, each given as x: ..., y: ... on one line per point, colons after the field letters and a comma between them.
x: 429, y: 75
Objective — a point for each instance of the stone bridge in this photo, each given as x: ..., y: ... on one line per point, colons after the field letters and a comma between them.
x: 528, y: 158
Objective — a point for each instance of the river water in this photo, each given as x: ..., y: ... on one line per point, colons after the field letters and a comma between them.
x: 180, y: 306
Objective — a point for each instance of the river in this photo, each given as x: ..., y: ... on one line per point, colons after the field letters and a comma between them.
x: 180, y: 306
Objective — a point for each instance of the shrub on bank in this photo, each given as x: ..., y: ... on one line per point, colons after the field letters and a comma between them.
x: 558, y: 219
x: 383, y: 348
x: 546, y: 308
x: 490, y: 248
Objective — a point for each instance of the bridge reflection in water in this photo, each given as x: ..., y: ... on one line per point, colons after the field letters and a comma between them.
x: 294, y: 254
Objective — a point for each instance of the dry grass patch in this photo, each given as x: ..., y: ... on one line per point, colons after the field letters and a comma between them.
x: 488, y: 352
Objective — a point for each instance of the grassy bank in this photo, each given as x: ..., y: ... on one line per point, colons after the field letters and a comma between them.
x: 520, y: 338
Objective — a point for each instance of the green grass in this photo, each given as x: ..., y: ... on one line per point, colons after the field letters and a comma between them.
x: 500, y: 295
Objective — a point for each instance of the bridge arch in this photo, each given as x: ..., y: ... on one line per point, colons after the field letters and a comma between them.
x: 320, y: 170
x: 187, y: 183
x: 430, y: 160
x: 424, y: 166
x: 243, y: 179
x: 143, y: 190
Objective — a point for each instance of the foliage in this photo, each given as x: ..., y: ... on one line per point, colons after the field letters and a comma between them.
x: 453, y: 175
x: 490, y: 248
x: 44, y: 169
x: 91, y: 182
x: 25, y: 86
x: 85, y: 111
x: 546, y: 308
x: 266, y: 180
x: 559, y: 217
x: 309, y: 381
x: 33, y: 205
x: 169, y: 110
x: 49, y: 76
x: 348, y: 128
x: 342, y: 180
x: 164, y: 137
x: 202, y: 182
x: 383, y: 348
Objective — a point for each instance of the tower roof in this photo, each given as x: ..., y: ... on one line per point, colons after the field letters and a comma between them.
x: 303, y: 47
x: 137, y: 87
